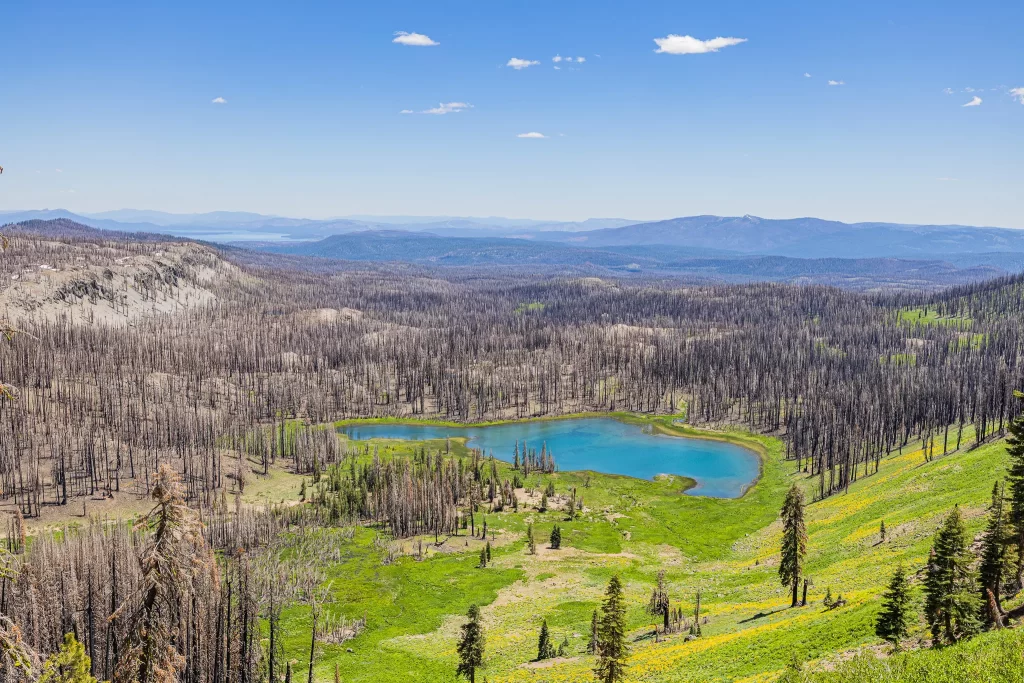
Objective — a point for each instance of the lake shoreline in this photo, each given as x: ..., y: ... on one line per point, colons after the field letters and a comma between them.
x: 660, y: 425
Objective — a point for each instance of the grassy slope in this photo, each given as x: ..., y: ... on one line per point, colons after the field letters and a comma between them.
x: 996, y: 657
x: 727, y: 548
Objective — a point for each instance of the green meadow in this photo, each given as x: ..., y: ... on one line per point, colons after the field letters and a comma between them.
x: 725, y: 548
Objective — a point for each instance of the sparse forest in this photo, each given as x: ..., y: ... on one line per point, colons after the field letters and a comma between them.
x: 169, y: 376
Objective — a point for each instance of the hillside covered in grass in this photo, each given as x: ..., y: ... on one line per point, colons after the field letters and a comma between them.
x: 414, y: 593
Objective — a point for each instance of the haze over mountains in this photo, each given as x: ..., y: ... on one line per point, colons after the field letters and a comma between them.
x: 860, y: 255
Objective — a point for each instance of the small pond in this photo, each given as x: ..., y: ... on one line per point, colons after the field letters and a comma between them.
x: 600, y: 444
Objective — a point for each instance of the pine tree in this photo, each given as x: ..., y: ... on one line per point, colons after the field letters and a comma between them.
x: 544, y: 502
x: 556, y: 538
x: 612, y: 650
x: 892, y: 624
x: 70, y: 664
x: 471, y: 646
x: 544, y: 646
x: 483, y: 558
x: 594, y: 637
x: 531, y: 544
x: 881, y: 532
x: 794, y: 541
x: 952, y: 604
x: 563, y: 647
x: 1015, y: 476
x: 488, y: 548
x: 993, y: 553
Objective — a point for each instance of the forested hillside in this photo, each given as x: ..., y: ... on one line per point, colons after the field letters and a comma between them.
x: 198, y: 386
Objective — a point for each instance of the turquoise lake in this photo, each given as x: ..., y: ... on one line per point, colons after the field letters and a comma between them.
x: 600, y: 444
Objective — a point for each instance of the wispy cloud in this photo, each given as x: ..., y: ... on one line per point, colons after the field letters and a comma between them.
x: 519, y: 64
x: 948, y: 91
x: 413, y: 39
x: 831, y: 82
x: 807, y: 75
x: 1017, y: 94
x: 443, y: 108
x: 533, y: 135
x: 218, y: 100
x: 559, y: 58
x: 975, y: 101
x: 688, y: 45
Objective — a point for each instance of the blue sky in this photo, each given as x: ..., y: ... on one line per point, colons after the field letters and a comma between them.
x: 119, y: 96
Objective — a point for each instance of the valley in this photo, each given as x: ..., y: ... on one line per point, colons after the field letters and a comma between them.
x: 362, y: 476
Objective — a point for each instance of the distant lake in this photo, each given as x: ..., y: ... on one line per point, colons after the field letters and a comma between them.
x: 601, y: 444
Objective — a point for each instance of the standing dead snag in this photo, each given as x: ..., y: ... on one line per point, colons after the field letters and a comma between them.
x: 170, y: 560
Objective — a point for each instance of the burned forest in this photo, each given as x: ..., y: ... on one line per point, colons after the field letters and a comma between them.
x: 153, y: 379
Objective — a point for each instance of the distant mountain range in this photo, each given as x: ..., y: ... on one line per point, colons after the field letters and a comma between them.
x: 804, y: 237
x: 234, y: 225
x: 729, y: 248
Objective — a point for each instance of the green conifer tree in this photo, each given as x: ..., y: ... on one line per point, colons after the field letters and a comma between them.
x: 531, y: 543
x: 70, y: 664
x: 952, y: 603
x: 893, y: 620
x: 612, y: 649
x: 593, y: 638
x: 544, y: 646
x: 794, y: 541
x: 1015, y: 478
x: 997, y: 538
x: 556, y: 538
x: 471, y: 646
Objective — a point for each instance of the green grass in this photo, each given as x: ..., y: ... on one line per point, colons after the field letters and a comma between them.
x: 930, y: 316
x: 990, y: 658
x: 530, y: 307
x: 634, y: 528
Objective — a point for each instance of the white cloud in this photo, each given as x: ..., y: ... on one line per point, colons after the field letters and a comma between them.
x: 557, y: 58
x: 218, y: 100
x: 518, y: 64
x: 688, y: 45
x: 580, y: 60
x: 1017, y: 94
x: 975, y: 101
x: 447, y: 108
x: 807, y: 75
x: 837, y: 82
x: 413, y: 39
x: 407, y: 111
x: 59, y: 170
x: 534, y: 135
x: 948, y: 91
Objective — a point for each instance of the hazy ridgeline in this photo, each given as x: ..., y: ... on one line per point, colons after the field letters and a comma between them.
x: 259, y: 350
